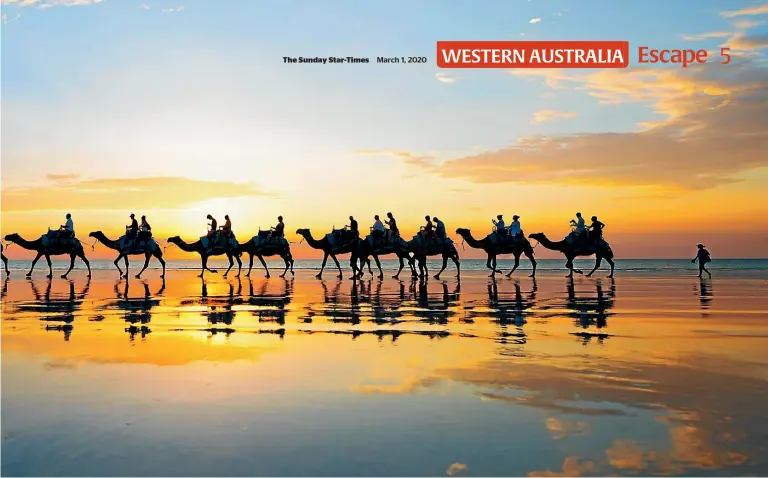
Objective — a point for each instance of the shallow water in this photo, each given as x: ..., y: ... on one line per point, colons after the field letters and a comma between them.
x: 655, y: 372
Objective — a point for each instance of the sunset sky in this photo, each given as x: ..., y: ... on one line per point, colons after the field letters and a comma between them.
x: 180, y: 109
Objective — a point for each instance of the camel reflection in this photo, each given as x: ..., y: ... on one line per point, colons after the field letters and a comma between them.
x: 435, y: 308
x: 270, y: 307
x: 136, y: 311
x: 591, y: 311
x: 53, y: 307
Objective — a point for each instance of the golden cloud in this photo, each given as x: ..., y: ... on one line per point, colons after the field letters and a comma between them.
x: 549, y: 115
x: 71, y: 193
x: 756, y: 10
x: 714, y: 128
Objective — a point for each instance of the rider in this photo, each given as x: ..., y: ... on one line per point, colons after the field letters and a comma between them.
x: 500, y: 228
x: 226, y: 230
x: 515, y: 229
x: 596, y: 229
x: 428, y: 229
x: 392, y: 225
x: 68, y: 229
x: 212, y: 233
x: 353, y: 227
x: 279, y: 230
x: 378, y: 229
x: 439, y: 228
x: 578, y: 225
x: 145, y: 230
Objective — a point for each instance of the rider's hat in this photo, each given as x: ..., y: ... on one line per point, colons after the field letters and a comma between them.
x: 132, y: 216
x: 515, y: 217
x: 699, y: 245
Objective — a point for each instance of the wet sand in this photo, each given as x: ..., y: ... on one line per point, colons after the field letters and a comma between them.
x: 645, y: 374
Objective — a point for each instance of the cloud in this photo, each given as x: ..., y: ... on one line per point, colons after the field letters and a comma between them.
x: 572, y: 466
x: 746, y: 24
x: 713, y: 126
x: 141, y: 193
x: 50, y: 3
x: 745, y: 43
x: 444, y: 78
x: 7, y: 20
x: 456, y: 468
x: 144, y: 6
x: 704, y: 36
x: 408, y: 158
x: 174, y: 10
x: 549, y: 115
x: 534, y: 20
x: 756, y: 10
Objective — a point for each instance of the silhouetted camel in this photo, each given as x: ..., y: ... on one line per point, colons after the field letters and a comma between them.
x: 72, y: 247
x: 422, y: 250
x: 261, y: 245
x: 497, y: 248
x: 571, y: 251
x: 333, y: 250
x: 198, y: 247
x: 398, y: 246
x: 151, y: 248
x: 5, y: 261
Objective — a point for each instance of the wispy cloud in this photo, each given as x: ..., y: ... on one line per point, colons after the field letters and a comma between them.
x: 144, y: 6
x: 746, y: 24
x: 50, y: 3
x: 756, y: 10
x: 9, y: 20
x: 704, y: 36
x: 534, y: 20
x: 174, y: 10
x: 426, y: 162
x: 114, y: 193
x: 456, y: 468
x: 444, y: 78
x: 549, y: 115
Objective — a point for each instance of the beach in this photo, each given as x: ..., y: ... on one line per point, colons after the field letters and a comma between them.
x: 652, y: 372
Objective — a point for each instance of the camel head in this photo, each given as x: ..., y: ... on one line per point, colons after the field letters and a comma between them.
x: 174, y: 239
x: 302, y: 232
x: 538, y: 236
x: 463, y: 232
x: 96, y: 234
x: 12, y: 237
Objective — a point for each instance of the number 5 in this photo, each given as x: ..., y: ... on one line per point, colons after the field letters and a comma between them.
x: 725, y: 52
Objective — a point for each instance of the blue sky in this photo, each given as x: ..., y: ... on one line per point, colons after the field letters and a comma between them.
x: 112, y: 89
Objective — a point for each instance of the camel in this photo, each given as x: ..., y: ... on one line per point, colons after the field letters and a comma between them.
x: 47, y: 247
x: 494, y: 248
x: 5, y: 261
x: 200, y: 248
x: 571, y: 251
x: 261, y: 245
x: 421, y: 251
x: 333, y: 247
x: 397, y: 245
x: 151, y: 248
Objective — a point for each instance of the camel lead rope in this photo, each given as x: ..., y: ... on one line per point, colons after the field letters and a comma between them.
x: 93, y: 246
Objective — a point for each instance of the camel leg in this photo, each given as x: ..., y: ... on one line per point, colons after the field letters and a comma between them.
x: 71, y: 265
x: 381, y: 272
x: 239, y: 265
x: 250, y: 265
x: 338, y: 266
x: 517, y: 264
x: 290, y: 258
x: 5, y: 263
x: 125, y: 258
x: 491, y: 265
x: 455, y: 259
x: 117, y: 264
x: 87, y: 263
x: 263, y: 263
x: 402, y: 265
x: 322, y: 267
x: 147, y: 257
x: 598, y: 261
x: 569, y: 265
x: 34, y: 261
x: 610, y: 261
x: 159, y: 255
x: 353, y: 264
x: 203, y: 265
x: 529, y: 255
x: 287, y: 265
x: 50, y: 267
x: 231, y: 264
x: 369, y: 266
x: 445, y: 264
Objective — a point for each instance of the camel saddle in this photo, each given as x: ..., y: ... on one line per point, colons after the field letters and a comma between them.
x: 389, y: 239
x: 219, y: 242
x: 265, y: 238
x: 339, y: 238
x: 141, y: 244
x: 505, y: 239
x: 583, y: 241
x: 427, y: 242
x: 53, y: 239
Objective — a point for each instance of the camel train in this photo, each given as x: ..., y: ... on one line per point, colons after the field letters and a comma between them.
x: 336, y: 243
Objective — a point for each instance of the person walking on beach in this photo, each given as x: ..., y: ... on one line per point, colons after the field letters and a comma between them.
x: 703, y: 257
